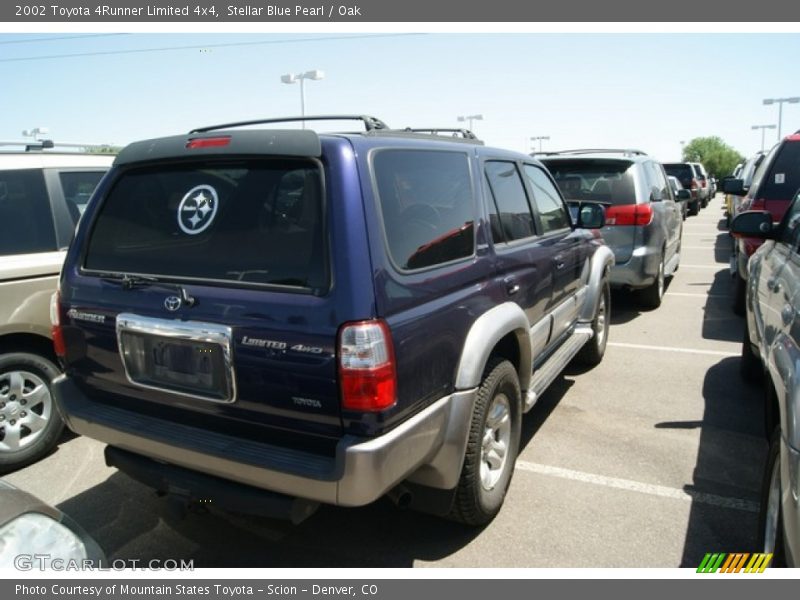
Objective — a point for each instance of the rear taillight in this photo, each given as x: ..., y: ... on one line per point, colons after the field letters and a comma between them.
x: 367, y: 373
x: 693, y: 185
x: 629, y: 214
x: 55, y: 321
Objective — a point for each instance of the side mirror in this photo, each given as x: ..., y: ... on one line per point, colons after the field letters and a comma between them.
x: 591, y: 216
x: 733, y: 186
x: 752, y: 223
x: 684, y: 194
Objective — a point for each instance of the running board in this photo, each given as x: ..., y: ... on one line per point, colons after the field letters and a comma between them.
x: 546, y: 374
x: 672, y: 265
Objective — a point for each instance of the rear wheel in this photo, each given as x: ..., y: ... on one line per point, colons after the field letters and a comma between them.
x: 651, y: 296
x: 492, y: 446
x: 739, y: 294
x: 592, y: 352
x: 30, y: 425
x: 771, y: 513
x: 694, y: 208
x: 750, y: 365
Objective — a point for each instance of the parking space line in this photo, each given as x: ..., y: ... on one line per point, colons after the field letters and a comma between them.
x: 718, y: 266
x: 672, y: 349
x: 692, y: 295
x: 642, y: 488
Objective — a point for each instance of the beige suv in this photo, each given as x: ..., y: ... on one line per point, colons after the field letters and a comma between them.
x: 42, y: 195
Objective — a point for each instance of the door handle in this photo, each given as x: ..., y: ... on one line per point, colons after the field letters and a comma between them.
x: 559, y: 260
x: 512, y: 287
x: 774, y: 285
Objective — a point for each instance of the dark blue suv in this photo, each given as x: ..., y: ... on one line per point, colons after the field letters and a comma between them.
x: 269, y: 319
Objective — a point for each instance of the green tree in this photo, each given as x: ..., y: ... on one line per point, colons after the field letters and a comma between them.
x: 718, y: 157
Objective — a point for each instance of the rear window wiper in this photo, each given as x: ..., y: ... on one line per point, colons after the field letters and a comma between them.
x: 130, y: 282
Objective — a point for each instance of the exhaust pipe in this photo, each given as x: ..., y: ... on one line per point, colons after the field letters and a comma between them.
x: 401, y: 496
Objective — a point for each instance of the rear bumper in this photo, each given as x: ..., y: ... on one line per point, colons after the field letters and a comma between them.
x: 362, y: 470
x: 639, y: 272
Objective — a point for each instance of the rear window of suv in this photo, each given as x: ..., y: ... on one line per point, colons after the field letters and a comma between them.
x: 600, y: 180
x: 682, y: 171
x: 249, y: 222
x: 783, y: 179
x: 427, y: 206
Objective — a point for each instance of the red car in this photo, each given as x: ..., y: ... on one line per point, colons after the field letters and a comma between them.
x: 774, y: 185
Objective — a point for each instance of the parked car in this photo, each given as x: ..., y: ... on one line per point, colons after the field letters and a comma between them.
x: 773, y: 185
x: 37, y: 536
x: 771, y: 348
x: 42, y: 194
x: 279, y: 318
x: 745, y: 172
x: 688, y: 176
x: 704, y: 190
x: 643, y: 221
x: 681, y: 195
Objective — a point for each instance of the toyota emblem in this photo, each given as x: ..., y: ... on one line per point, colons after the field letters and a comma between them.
x: 172, y: 303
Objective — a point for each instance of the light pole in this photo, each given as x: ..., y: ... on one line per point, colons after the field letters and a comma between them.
x: 470, y: 118
x: 762, y: 128
x: 314, y: 75
x: 36, y: 132
x: 540, y: 138
x: 779, y: 102
x: 683, y: 143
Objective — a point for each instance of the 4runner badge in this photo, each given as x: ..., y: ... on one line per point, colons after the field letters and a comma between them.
x: 197, y: 209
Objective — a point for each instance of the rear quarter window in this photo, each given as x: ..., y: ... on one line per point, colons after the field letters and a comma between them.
x: 782, y: 180
x: 426, y: 205
x: 26, y: 218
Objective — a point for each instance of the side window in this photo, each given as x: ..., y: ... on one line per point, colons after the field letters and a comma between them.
x: 514, y: 213
x: 25, y: 214
x: 657, y: 186
x: 427, y: 206
x: 552, y: 212
x: 78, y: 187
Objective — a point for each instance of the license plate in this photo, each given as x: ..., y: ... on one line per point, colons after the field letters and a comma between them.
x: 182, y: 363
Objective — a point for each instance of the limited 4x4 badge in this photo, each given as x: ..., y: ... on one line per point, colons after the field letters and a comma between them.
x: 197, y: 209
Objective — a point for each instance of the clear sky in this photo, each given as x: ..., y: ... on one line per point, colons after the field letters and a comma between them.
x: 647, y: 91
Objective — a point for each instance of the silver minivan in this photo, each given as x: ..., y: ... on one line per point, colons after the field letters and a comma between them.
x: 643, y: 221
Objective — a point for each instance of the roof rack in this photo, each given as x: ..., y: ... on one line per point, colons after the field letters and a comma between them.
x: 453, y: 132
x: 39, y: 145
x: 627, y: 151
x: 450, y: 134
x: 370, y: 123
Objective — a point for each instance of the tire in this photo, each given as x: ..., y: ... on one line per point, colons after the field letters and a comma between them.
x: 694, y: 208
x: 739, y: 295
x: 770, y: 515
x: 495, y: 424
x: 592, y: 352
x: 30, y: 424
x: 750, y: 367
x: 652, y: 296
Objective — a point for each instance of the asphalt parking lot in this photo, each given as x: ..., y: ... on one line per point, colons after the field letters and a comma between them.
x: 651, y: 459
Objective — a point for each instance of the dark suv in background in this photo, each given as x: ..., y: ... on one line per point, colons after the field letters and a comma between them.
x: 643, y: 222
x: 689, y: 176
x: 271, y: 319
x: 773, y: 186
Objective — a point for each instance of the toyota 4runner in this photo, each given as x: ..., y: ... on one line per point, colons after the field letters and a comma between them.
x: 273, y: 319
